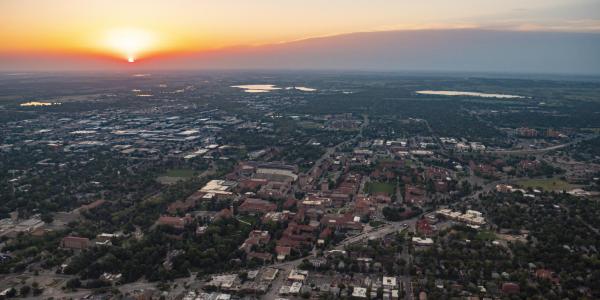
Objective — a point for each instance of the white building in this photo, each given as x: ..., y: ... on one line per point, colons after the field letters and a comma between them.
x: 218, y: 187
x: 389, y: 282
x: 471, y: 217
x: 297, y: 275
x: 359, y: 293
x: 295, y: 288
x: 422, y: 241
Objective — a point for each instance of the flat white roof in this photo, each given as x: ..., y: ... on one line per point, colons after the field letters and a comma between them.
x: 359, y: 292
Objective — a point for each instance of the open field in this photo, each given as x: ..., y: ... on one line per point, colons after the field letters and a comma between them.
x: 550, y: 184
x: 379, y: 187
x: 485, y: 235
x: 310, y: 125
x: 174, y: 175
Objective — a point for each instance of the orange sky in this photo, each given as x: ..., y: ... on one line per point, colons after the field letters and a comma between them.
x: 142, y: 28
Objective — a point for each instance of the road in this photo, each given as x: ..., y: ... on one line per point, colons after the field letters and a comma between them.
x: 586, y: 224
x: 542, y: 150
x: 392, y: 227
x: 286, y: 267
x: 284, y: 270
x: 380, y: 232
x: 333, y: 149
x: 406, y: 279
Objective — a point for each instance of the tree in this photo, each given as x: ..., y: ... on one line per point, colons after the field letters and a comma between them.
x: 36, y: 289
x: 11, y: 293
x: 465, y: 187
x: 243, y: 276
x: 73, y: 283
x: 24, y: 291
x: 47, y: 218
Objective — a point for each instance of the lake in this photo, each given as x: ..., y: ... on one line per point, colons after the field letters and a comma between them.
x: 38, y: 103
x: 257, y: 88
x: 471, y: 94
x: 264, y: 88
x: 301, y: 88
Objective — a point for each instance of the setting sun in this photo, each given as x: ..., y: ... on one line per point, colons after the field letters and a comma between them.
x: 141, y: 33
x: 287, y: 149
x: 129, y: 43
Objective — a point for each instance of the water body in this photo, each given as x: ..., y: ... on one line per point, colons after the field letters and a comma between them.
x: 257, y: 88
x: 301, y: 88
x: 265, y: 88
x: 38, y: 103
x: 471, y: 94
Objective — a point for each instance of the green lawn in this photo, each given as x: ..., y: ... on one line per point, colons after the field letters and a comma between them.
x: 485, y: 235
x: 378, y: 187
x: 310, y: 125
x: 550, y: 184
x: 376, y: 223
x: 172, y: 176
x: 247, y: 219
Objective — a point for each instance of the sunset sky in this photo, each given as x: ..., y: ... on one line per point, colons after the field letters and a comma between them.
x: 144, y: 28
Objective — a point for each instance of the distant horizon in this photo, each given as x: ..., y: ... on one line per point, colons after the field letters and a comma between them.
x: 310, y: 34
x: 399, y: 73
x: 455, y: 50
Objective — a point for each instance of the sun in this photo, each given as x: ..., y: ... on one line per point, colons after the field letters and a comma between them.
x: 129, y: 43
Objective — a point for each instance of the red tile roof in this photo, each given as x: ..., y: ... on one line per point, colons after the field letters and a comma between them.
x: 175, y: 222
x: 510, y: 288
x: 93, y: 205
x: 74, y: 242
x: 252, y: 205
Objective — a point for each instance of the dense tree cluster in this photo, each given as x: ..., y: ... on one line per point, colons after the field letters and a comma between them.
x: 554, y: 233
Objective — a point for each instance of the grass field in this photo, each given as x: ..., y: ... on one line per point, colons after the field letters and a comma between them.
x: 310, y: 125
x: 550, y: 184
x: 379, y: 187
x: 485, y: 235
x: 376, y: 223
x: 172, y: 176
